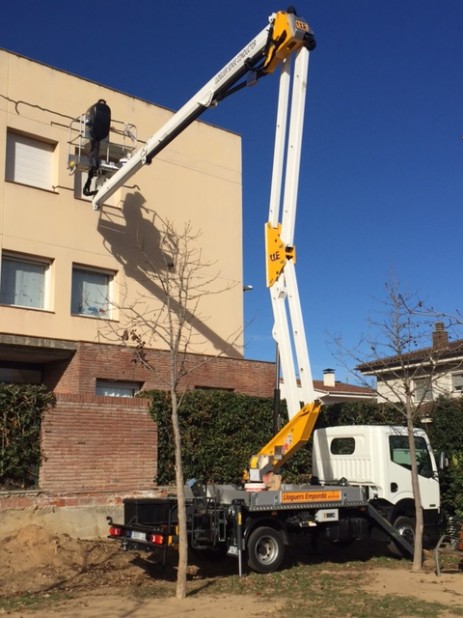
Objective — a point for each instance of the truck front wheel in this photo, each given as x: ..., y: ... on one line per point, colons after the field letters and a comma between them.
x: 265, y: 550
x: 405, y: 526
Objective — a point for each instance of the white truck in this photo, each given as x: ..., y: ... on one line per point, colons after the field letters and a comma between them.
x: 362, y: 491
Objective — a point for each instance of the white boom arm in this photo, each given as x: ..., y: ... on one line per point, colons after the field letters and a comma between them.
x: 285, y: 37
x: 288, y: 330
x: 282, y: 283
x: 282, y: 37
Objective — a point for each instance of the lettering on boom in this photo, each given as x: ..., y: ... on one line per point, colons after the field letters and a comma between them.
x: 244, y: 53
x: 292, y: 497
x: 301, y: 25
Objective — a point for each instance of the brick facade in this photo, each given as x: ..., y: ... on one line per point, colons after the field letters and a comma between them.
x: 93, y: 361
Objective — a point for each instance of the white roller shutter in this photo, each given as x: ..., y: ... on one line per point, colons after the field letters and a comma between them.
x: 29, y: 161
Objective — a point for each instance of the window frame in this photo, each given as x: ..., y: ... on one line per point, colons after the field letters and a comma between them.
x: 423, y: 390
x: 457, y: 384
x: 22, y: 258
x: 20, y: 375
x: 343, y: 445
x: 108, y: 313
x: 30, y: 160
x: 399, y: 454
x: 133, y: 386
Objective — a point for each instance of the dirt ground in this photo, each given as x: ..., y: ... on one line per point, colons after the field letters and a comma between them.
x: 104, y: 582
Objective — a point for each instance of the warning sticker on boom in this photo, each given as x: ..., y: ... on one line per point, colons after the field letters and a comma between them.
x: 293, y: 497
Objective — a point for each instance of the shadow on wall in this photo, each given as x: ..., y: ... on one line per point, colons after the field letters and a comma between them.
x: 133, y: 236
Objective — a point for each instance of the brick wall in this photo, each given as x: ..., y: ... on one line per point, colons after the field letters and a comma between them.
x: 98, y: 444
x: 109, y: 362
x: 40, y: 499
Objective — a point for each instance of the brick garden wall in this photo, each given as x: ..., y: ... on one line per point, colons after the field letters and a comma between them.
x: 98, y: 444
x: 98, y: 450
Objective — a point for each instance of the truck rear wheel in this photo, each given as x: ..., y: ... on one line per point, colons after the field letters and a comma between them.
x: 405, y: 526
x: 266, y: 550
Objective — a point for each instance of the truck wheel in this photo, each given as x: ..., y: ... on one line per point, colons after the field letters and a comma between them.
x: 405, y: 526
x: 265, y: 549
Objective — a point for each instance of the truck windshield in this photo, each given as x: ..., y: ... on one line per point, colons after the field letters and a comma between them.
x: 400, y: 454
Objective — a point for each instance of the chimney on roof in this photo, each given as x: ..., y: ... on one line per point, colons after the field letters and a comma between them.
x: 440, y: 337
x: 329, y: 377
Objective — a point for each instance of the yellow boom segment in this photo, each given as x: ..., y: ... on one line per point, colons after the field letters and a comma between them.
x: 285, y: 443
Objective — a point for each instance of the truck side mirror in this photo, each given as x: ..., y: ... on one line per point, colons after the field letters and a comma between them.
x: 443, y: 460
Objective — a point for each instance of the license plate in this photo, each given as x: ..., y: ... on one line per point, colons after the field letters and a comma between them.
x: 138, y: 536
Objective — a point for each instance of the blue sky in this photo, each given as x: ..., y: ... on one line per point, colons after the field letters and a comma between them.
x: 382, y: 169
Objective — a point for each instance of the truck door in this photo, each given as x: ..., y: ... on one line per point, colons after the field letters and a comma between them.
x: 400, y: 478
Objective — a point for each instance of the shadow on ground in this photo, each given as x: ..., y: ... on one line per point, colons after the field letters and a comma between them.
x: 301, y: 551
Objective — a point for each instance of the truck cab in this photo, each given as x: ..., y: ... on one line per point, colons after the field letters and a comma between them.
x: 377, y: 457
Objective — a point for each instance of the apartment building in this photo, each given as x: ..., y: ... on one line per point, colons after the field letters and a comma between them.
x: 69, y: 273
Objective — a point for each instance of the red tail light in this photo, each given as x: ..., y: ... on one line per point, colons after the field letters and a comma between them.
x: 157, y: 539
x: 115, y: 531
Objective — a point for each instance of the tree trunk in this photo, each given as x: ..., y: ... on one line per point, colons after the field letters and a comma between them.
x: 181, y: 591
x: 418, y: 545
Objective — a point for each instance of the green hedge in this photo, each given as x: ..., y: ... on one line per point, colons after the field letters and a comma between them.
x: 446, y: 434
x: 21, y: 409
x: 220, y: 430
x: 360, y: 413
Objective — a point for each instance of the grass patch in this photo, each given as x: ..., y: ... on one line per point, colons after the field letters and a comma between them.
x: 326, y: 590
x: 33, y: 601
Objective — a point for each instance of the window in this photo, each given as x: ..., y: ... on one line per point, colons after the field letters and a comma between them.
x: 215, y: 388
x: 109, y: 388
x: 457, y: 382
x: 342, y: 446
x: 400, y: 454
x: 423, y: 389
x: 19, y: 375
x: 24, y: 281
x: 29, y: 161
x: 91, y: 292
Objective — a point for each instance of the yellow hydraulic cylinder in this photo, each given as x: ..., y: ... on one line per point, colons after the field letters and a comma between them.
x: 287, y: 441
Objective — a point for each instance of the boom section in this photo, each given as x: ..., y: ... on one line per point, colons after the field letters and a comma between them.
x: 288, y: 330
x: 285, y: 34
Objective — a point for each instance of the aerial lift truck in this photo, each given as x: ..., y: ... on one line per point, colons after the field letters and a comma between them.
x: 256, y: 519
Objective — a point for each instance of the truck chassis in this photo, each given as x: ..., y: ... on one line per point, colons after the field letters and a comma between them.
x: 253, y: 526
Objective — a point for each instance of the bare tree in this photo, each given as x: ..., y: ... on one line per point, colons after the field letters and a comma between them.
x: 406, y: 371
x: 181, y: 278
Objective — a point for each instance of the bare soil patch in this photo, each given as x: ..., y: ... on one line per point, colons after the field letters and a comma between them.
x: 103, y: 581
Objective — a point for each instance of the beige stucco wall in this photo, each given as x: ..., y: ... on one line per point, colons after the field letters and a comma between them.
x: 393, y: 389
x: 196, y: 178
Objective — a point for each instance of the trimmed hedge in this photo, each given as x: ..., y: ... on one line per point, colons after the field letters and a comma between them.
x: 446, y: 434
x: 360, y: 413
x: 220, y: 430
